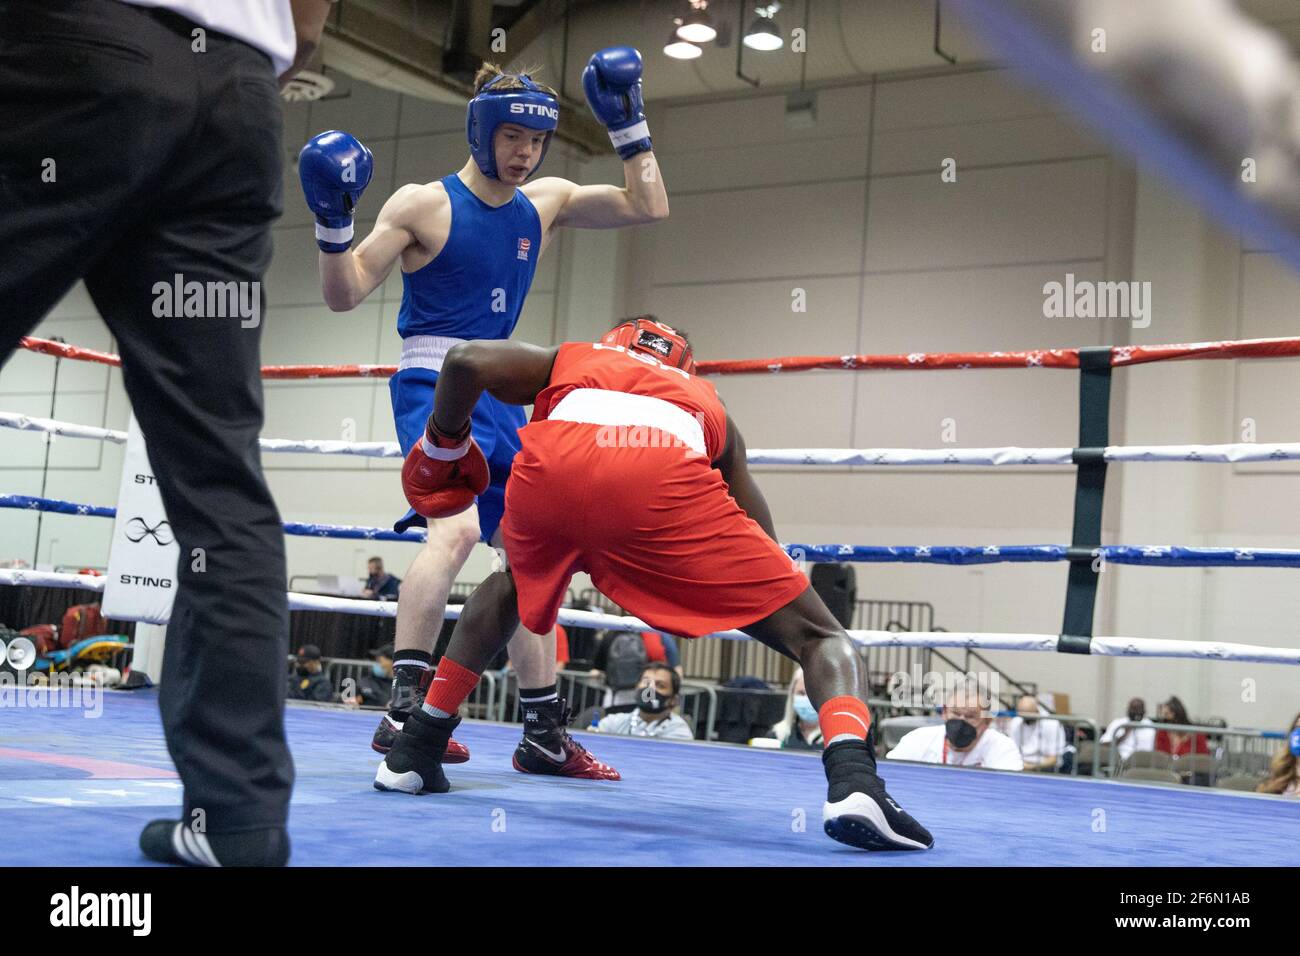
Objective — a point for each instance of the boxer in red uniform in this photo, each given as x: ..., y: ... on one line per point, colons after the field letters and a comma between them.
x: 632, y: 471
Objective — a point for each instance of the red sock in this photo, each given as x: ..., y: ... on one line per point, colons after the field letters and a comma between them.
x: 451, y: 684
x: 842, y: 718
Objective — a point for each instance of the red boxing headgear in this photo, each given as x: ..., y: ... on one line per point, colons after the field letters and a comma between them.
x: 644, y: 334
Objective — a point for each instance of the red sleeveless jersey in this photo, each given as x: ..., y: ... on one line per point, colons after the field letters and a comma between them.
x: 601, y: 484
x: 615, y: 369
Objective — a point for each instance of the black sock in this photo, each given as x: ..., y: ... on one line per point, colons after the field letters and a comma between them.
x: 542, y: 712
x: 417, y: 657
x: 538, y: 695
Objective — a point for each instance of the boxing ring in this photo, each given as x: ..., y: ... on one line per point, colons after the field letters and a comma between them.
x: 94, y: 782
x: 83, y: 796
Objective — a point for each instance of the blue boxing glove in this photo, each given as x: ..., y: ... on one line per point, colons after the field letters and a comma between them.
x: 612, y: 82
x: 335, y: 170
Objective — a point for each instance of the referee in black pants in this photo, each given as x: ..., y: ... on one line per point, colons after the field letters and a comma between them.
x: 140, y: 142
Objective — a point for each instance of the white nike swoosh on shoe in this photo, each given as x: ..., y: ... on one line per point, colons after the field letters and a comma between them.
x: 558, y: 756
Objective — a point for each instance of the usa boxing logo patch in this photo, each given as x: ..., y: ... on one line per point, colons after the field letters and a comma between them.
x: 524, y: 246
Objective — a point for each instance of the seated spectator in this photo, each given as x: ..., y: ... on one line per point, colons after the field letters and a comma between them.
x: 1284, y: 774
x: 376, y: 688
x: 966, y: 738
x: 308, y: 682
x: 621, y: 657
x: 380, y: 586
x: 1040, y: 740
x: 1128, y: 740
x: 799, y: 729
x: 657, y: 694
x: 1173, y: 742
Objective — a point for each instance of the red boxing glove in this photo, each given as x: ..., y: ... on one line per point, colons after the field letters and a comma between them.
x: 444, y: 473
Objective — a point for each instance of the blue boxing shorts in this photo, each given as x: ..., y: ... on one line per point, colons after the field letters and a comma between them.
x: 495, y: 426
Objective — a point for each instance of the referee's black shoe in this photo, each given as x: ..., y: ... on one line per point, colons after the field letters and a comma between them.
x: 170, y: 841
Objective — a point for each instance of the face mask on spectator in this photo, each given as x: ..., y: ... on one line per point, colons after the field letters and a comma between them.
x: 804, y: 708
x: 959, y: 732
x: 302, y: 669
x: 377, y: 670
x: 1136, y: 713
x: 650, y: 700
x: 1295, y: 741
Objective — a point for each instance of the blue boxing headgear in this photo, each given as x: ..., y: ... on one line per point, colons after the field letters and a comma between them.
x: 530, y: 107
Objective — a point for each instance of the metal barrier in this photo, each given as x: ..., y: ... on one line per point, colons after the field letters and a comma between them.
x: 1230, y: 751
x: 580, y: 689
x: 340, y: 669
x: 876, y: 615
x: 712, y: 660
x: 699, y: 701
x: 481, y: 702
x: 692, y: 693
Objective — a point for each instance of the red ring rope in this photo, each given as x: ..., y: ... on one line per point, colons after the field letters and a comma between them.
x: 1121, y: 355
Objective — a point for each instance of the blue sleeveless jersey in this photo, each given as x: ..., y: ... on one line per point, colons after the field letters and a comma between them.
x: 475, y: 287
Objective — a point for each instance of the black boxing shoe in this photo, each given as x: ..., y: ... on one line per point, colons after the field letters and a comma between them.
x: 409, y: 687
x: 414, y: 765
x: 386, y: 735
x: 858, y: 811
x: 170, y: 841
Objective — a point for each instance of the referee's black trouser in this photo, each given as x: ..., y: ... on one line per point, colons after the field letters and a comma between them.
x: 126, y: 158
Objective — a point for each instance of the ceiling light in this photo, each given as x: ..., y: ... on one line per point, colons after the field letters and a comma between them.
x: 680, y: 49
x: 762, y: 35
x: 697, y: 25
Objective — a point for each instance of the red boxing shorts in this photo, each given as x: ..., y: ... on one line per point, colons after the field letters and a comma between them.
x: 654, y: 526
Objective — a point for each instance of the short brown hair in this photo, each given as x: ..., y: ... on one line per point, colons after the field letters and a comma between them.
x: 488, y: 71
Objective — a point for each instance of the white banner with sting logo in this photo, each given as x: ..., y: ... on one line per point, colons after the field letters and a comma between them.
x: 142, y: 560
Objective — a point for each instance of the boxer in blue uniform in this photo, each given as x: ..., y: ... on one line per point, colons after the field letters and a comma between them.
x: 468, y: 245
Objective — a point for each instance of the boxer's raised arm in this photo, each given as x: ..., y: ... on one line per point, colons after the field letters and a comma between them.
x: 346, y: 278
x: 734, y: 465
x: 512, y: 372
x: 612, y: 84
x: 643, y: 198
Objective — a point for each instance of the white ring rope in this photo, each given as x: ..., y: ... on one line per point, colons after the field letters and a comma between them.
x: 1105, y: 646
x: 1246, y: 451
x: 1010, y: 455
x: 372, y: 449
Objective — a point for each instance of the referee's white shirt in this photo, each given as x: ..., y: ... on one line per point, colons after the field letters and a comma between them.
x: 266, y: 25
x: 993, y: 750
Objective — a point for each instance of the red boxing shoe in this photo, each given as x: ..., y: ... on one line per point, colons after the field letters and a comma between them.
x: 563, y: 758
